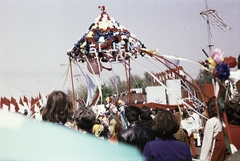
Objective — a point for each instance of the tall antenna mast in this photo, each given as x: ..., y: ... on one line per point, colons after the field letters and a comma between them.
x: 208, y: 32
x: 212, y: 17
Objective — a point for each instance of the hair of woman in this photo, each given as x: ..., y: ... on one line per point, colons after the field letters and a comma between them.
x: 232, y: 109
x: 59, y: 108
x: 212, y: 107
x: 165, y: 124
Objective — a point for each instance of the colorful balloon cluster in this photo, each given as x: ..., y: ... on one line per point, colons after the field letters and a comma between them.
x: 220, y: 65
x: 105, y: 39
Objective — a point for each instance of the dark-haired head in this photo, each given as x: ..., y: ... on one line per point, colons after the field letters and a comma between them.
x: 146, y: 113
x: 232, y: 109
x: 132, y: 113
x: 212, y: 107
x: 59, y: 108
x: 165, y: 124
x: 85, y: 118
x: 185, y: 114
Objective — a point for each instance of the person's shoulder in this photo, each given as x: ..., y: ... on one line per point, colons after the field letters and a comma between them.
x: 144, y: 127
x: 214, y: 121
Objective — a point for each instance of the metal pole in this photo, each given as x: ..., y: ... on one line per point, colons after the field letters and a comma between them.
x: 129, y: 84
x: 73, y: 93
x: 209, y: 33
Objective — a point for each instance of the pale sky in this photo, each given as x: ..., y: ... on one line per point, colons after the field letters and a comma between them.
x: 36, y: 34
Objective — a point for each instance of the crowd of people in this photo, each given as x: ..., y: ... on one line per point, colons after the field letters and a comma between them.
x: 158, y: 134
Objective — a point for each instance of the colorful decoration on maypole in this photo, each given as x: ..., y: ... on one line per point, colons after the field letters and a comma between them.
x: 105, y: 40
x: 219, y: 65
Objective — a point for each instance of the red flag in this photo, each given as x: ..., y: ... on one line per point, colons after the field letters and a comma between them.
x: 21, y: 102
x: 1, y: 103
x: 39, y: 96
x: 25, y: 99
x: 6, y: 102
x: 37, y: 101
x: 33, y: 102
x: 14, y: 102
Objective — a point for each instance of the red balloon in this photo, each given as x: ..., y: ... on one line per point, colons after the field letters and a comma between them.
x: 94, y: 66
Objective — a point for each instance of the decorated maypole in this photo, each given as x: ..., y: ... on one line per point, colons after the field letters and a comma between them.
x: 105, y: 41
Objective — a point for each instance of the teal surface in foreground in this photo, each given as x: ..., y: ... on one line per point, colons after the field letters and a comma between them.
x: 22, y: 139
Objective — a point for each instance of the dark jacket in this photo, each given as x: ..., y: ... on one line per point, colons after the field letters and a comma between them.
x: 136, y: 135
x: 147, y: 123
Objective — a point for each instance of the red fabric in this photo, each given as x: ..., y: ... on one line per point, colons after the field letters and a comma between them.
x: 13, y: 101
x: 6, y: 102
x: 1, y: 104
x: 25, y: 99
x: 21, y: 102
x: 192, y: 145
x: 113, y: 139
x: 219, y: 151
x: 234, y: 132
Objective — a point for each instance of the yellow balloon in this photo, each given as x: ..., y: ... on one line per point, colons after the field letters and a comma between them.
x: 212, y: 63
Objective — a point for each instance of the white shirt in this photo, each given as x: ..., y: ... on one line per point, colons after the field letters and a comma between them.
x: 234, y: 76
x: 189, y: 125
x: 212, y: 128
x: 197, y: 120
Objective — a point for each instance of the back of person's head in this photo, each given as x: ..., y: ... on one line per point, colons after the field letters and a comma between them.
x: 146, y: 113
x: 115, y: 125
x: 59, y: 108
x: 84, y: 118
x: 232, y: 109
x: 178, y: 115
x: 132, y: 113
x: 185, y: 114
x: 176, y: 109
x: 212, y: 107
x: 165, y: 124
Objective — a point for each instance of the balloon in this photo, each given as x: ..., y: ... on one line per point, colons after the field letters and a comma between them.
x: 94, y: 66
x: 174, y: 59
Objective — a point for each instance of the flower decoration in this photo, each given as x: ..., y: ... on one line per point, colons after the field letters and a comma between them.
x: 223, y: 71
x: 105, y: 39
x: 217, y: 56
x: 219, y: 65
x: 212, y: 63
x: 231, y: 61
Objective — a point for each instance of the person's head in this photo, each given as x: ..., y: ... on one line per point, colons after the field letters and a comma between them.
x: 232, y: 109
x: 165, y: 124
x: 212, y: 107
x: 185, y: 114
x: 84, y: 119
x: 59, y: 108
x: 176, y: 109
x: 146, y: 113
x: 132, y: 113
x: 114, y: 125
